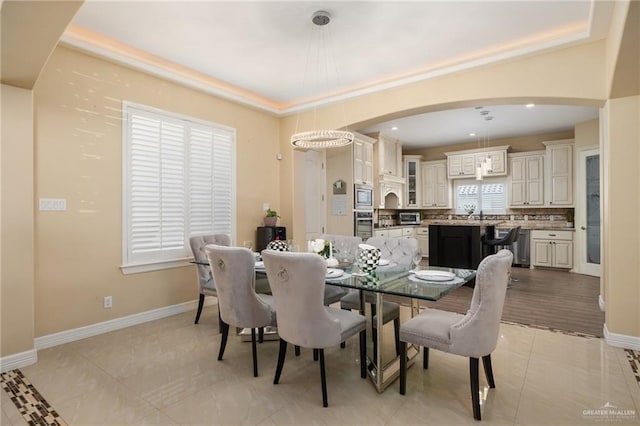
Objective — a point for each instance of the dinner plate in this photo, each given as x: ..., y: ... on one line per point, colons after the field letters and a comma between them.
x: 384, y: 262
x: 429, y: 275
x: 334, y: 273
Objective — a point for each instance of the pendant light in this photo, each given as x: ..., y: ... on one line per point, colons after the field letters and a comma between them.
x: 321, y: 138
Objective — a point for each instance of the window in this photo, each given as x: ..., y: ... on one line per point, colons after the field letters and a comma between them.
x: 488, y: 196
x: 179, y: 181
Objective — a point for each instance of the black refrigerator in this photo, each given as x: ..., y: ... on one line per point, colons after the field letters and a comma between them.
x: 266, y: 234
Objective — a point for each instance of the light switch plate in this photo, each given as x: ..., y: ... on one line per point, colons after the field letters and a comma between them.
x: 53, y: 204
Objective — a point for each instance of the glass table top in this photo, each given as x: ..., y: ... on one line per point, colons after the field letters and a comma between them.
x: 397, y: 280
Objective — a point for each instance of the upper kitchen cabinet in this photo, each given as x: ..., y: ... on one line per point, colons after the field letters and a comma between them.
x: 526, y: 181
x: 559, y: 173
x: 463, y: 164
x: 388, y: 177
x: 436, y: 187
x: 389, y: 156
x: 363, y: 159
x: 412, y: 177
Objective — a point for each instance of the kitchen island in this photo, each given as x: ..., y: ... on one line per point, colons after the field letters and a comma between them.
x: 460, y: 245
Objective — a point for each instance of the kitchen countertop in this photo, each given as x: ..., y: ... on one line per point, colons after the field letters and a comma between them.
x: 525, y: 224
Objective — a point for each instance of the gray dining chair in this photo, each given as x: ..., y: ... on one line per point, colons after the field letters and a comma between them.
x: 396, y: 250
x: 206, y: 287
x: 297, y: 282
x: 473, y: 335
x: 344, y: 247
x: 240, y: 306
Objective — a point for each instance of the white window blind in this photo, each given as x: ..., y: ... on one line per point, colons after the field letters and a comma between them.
x: 488, y: 195
x: 179, y: 181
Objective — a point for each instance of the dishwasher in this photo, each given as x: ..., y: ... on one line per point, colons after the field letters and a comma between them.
x: 520, y: 249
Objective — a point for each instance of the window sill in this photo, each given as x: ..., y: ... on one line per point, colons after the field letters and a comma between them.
x: 136, y: 268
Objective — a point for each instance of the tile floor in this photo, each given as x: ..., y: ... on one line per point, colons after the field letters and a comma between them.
x: 166, y: 372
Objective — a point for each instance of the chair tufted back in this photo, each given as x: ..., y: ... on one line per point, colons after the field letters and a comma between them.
x: 476, y: 334
x: 344, y: 246
x: 197, y: 247
x: 233, y: 270
x: 297, y: 282
x: 398, y: 250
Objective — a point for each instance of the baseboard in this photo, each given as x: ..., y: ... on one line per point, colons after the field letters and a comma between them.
x: 601, y: 303
x: 621, y: 340
x: 22, y: 359
x: 68, y: 336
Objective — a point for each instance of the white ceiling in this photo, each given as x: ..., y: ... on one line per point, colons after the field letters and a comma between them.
x: 268, y: 54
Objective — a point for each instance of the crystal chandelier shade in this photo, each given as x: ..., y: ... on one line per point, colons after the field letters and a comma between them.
x: 321, y: 138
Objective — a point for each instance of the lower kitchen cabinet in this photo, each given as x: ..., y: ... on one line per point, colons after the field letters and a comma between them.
x: 381, y: 233
x: 552, y: 249
x: 422, y: 235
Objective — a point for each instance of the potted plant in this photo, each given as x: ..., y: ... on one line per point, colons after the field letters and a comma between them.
x: 271, y: 218
x: 570, y: 218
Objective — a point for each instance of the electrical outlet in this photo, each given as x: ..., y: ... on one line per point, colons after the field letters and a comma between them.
x: 265, y: 206
x: 108, y: 301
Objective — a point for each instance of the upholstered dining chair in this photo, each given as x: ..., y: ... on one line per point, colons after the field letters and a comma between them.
x: 396, y: 250
x: 206, y: 287
x: 473, y: 335
x: 345, y: 247
x: 240, y: 306
x: 297, y: 282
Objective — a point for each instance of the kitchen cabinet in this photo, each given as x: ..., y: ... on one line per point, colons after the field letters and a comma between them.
x: 389, y: 156
x: 408, y: 233
x: 363, y: 159
x: 552, y: 249
x: 435, y: 186
x: 381, y: 233
x: 412, y: 176
x: 526, y: 181
x: 395, y: 233
x: 422, y: 235
x: 559, y: 173
x: 463, y: 164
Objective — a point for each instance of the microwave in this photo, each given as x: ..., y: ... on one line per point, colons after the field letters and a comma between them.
x: 363, y: 197
x: 409, y: 218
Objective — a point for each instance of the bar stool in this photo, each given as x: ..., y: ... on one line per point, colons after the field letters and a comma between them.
x: 506, y: 242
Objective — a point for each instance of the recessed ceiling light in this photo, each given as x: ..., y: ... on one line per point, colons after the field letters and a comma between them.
x: 530, y: 105
x: 394, y: 128
x: 472, y: 134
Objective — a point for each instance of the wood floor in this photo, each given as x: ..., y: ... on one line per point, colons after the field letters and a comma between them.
x: 546, y: 298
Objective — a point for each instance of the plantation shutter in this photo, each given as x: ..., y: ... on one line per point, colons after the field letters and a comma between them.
x: 179, y: 180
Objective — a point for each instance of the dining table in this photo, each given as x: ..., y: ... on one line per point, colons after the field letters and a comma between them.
x: 425, y: 283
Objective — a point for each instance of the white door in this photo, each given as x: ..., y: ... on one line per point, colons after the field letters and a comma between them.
x: 587, y: 217
x: 315, y: 184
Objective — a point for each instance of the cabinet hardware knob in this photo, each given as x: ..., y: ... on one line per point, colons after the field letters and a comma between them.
x: 583, y: 228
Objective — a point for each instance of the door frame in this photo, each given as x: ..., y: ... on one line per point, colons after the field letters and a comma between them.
x: 582, y: 266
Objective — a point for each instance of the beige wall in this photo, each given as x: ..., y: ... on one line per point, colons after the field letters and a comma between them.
x: 587, y: 134
x: 78, y: 156
x: 621, y: 224
x: 340, y: 166
x: 16, y: 238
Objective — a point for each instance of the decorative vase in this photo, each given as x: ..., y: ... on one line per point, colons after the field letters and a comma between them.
x: 368, y: 258
x: 270, y: 221
x: 278, y: 245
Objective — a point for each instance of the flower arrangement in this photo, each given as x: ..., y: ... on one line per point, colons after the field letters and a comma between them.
x: 322, y: 247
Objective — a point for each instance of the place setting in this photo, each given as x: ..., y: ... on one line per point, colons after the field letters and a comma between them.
x: 434, y: 277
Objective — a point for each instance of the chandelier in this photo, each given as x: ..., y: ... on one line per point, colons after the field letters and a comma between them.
x: 321, y: 138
